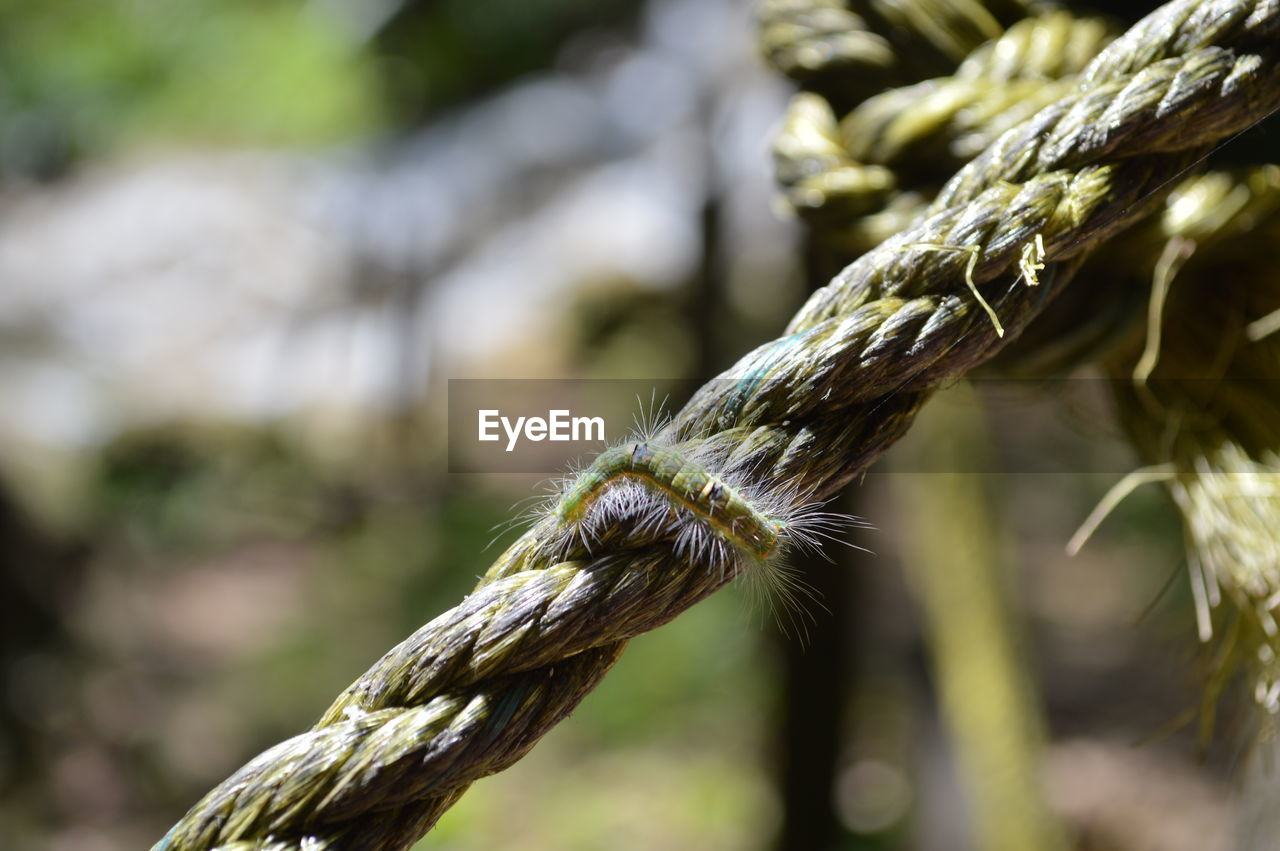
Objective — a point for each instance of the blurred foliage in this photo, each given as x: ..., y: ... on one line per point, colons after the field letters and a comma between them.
x: 441, y: 52
x: 196, y: 489
x: 80, y: 75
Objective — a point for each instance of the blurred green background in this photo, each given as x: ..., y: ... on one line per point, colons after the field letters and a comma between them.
x: 244, y: 244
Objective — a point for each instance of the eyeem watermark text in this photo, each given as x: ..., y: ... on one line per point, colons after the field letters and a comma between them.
x: 559, y: 425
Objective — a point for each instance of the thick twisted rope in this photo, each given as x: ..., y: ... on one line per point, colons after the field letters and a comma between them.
x: 864, y: 177
x: 849, y: 50
x: 473, y: 690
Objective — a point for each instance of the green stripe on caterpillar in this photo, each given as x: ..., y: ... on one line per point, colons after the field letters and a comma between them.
x: 720, y: 505
x: 720, y: 519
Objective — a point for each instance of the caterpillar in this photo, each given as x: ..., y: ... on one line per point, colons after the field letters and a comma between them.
x: 720, y: 505
x: 739, y: 528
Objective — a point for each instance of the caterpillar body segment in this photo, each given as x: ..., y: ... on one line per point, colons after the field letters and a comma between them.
x: 721, y: 506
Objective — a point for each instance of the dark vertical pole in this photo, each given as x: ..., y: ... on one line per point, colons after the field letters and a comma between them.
x: 814, y: 665
x: 706, y: 301
x: 815, y: 676
x: 40, y: 578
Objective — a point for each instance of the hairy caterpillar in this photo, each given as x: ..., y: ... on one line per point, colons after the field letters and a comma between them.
x: 715, y: 515
x: 720, y: 505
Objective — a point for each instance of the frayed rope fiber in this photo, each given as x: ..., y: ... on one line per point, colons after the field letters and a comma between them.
x: 791, y: 423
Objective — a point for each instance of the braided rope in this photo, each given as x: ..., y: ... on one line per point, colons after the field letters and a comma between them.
x: 473, y: 690
x: 865, y: 177
x: 849, y: 50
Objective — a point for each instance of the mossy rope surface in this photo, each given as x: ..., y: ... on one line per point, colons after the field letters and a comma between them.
x: 469, y: 693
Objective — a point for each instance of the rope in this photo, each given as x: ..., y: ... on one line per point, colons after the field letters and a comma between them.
x: 1205, y: 407
x: 847, y: 51
x: 864, y: 177
x: 791, y: 423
